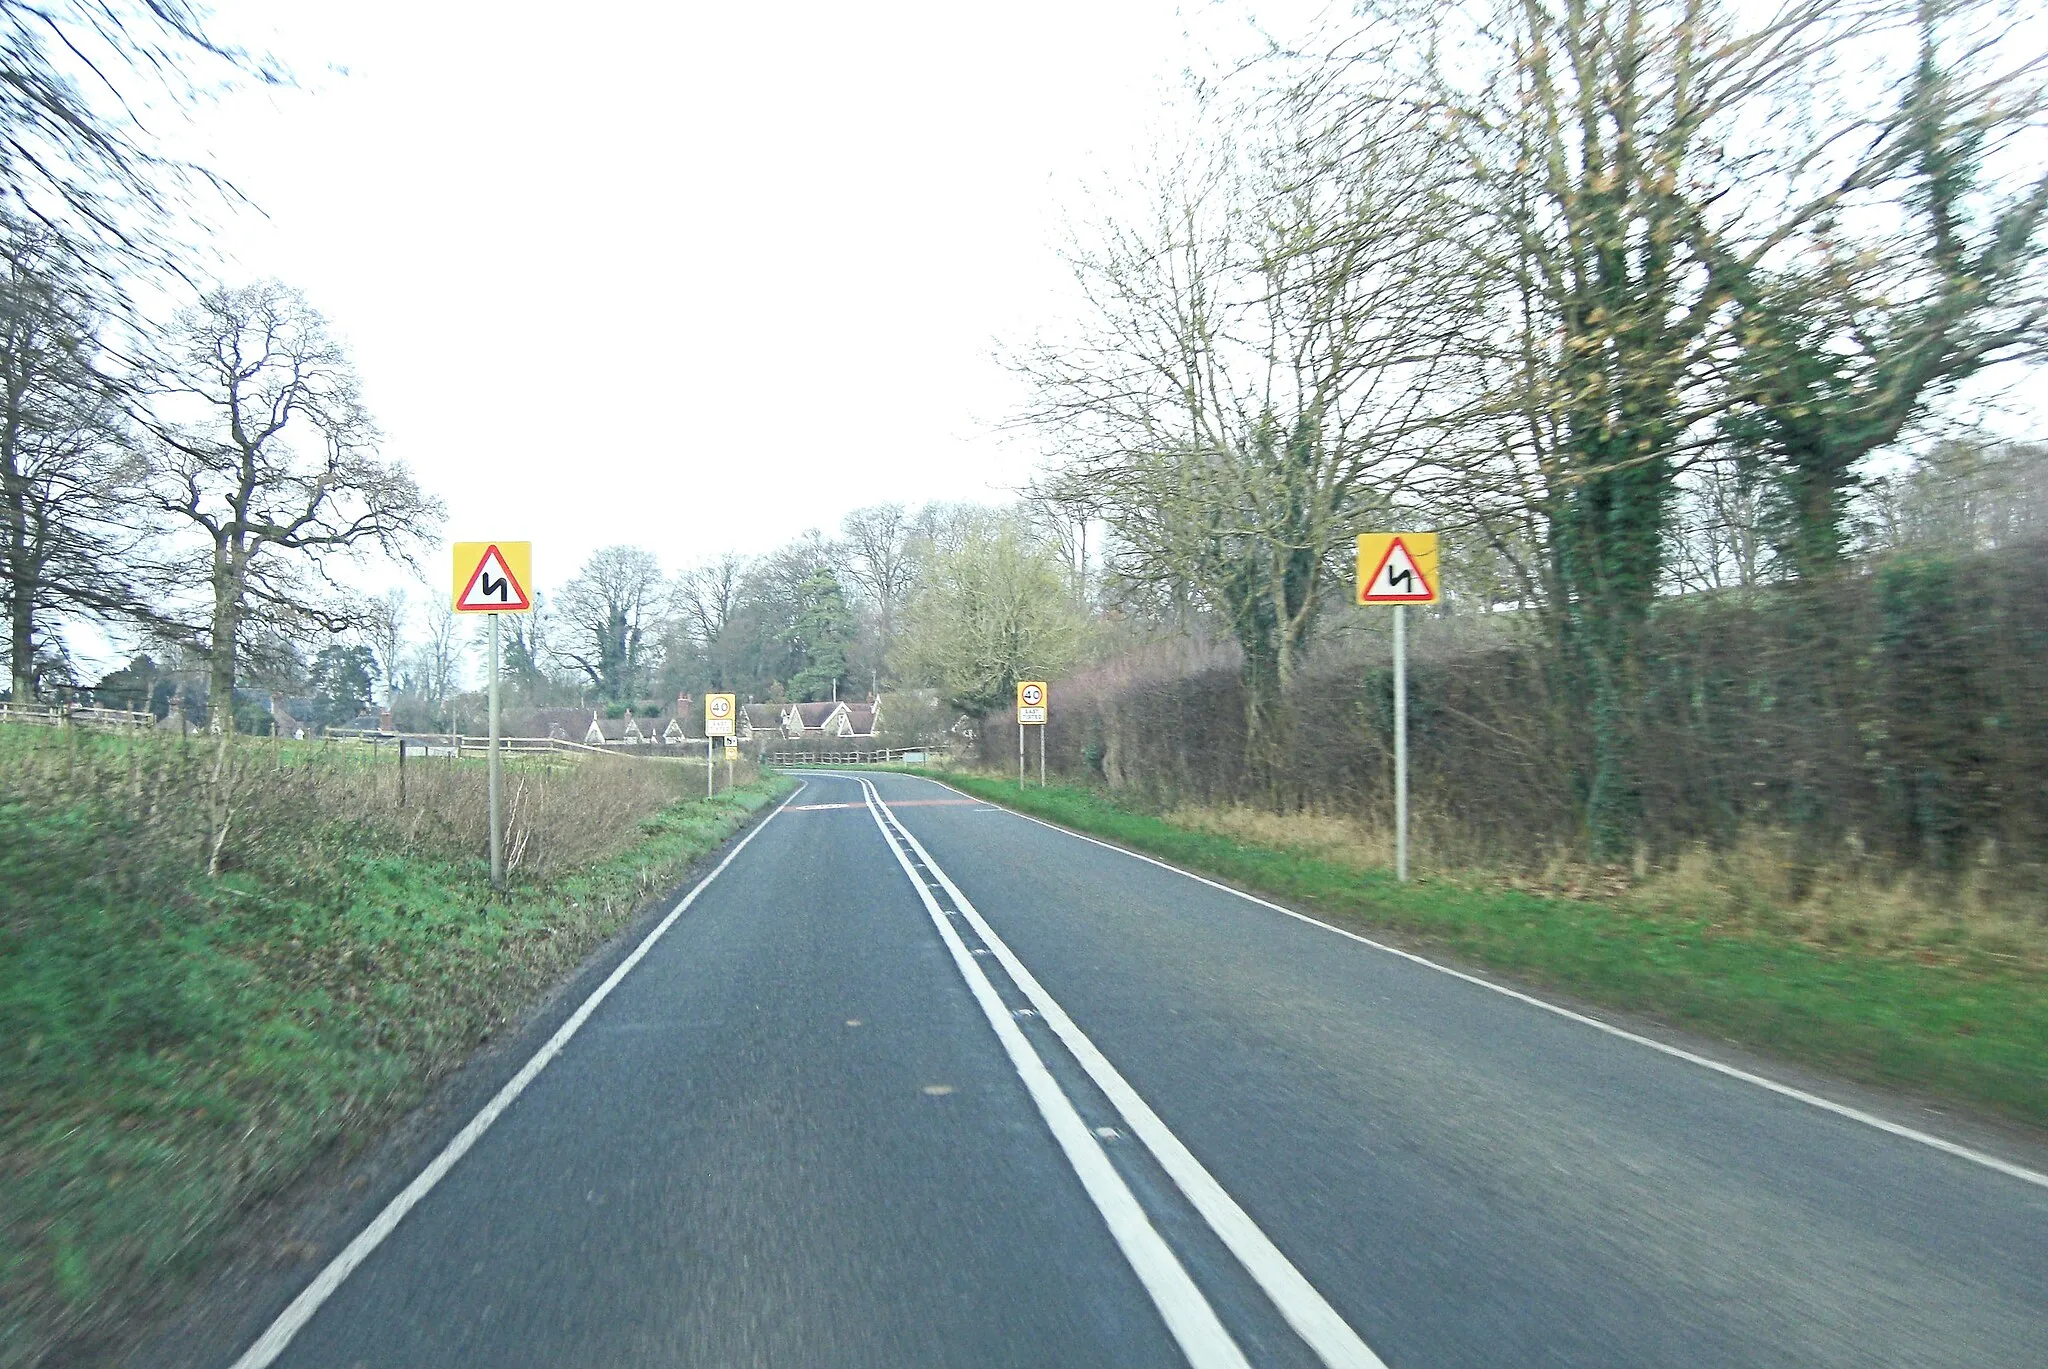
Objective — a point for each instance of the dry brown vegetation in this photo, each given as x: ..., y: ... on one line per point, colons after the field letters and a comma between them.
x: 1761, y: 883
x: 224, y: 797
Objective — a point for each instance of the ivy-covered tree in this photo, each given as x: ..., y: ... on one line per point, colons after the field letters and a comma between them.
x: 1839, y: 357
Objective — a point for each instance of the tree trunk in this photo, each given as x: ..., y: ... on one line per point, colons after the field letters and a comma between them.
x: 1263, y: 727
x: 21, y: 577
x: 227, y: 622
x: 21, y: 635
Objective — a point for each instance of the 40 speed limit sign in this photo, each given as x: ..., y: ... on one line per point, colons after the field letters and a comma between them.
x: 1031, y: 701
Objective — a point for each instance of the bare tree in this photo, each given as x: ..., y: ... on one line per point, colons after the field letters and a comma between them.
x: 881, y: 563
x: 607, y: 617
x: 707, y: 596
x: 441, y: 655
x: 74, y: 155
x: 66, y: 539
x: 1265, y: 354
x: 264, y: 449
x: 384, y: 633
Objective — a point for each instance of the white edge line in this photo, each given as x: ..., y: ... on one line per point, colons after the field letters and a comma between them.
x: 1190, y: 1319
x: 1304, y: 1309
x: 1869, y: 1119
x: 293, y: 1319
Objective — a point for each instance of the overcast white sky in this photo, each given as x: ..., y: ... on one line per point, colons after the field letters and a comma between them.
x: 690, y: 277
x: 687, y: 276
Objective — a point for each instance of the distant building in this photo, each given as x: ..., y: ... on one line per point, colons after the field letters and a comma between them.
x: 671, y: 726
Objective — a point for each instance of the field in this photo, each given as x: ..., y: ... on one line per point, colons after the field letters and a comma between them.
x: 218, y: 963
x: 1869, y: 984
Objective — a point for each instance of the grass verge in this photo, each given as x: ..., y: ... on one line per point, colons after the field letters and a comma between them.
x: 176, y: 1044
x: 1966, y: 1026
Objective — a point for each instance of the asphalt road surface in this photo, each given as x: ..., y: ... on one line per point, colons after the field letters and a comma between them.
x: 916, y: 1081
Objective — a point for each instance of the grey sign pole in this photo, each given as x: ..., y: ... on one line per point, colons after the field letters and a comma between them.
x: 1401, y: 743
x: 1020, y: 755
x: 497, y: 786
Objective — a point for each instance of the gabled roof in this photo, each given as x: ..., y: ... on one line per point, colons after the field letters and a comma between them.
x: 816, y: 715
x: 862, y: 717
x: 543, y: 722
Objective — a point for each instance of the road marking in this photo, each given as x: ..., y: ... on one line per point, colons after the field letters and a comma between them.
x: 1189, y: 1318
x: 1305, y: 1309
x: 293, y: 1319
x: 1843, y: 1110
x: 907, y: 803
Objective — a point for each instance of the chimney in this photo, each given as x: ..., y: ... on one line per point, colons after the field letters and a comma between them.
x: 385, y: 723
x: 682, y: 705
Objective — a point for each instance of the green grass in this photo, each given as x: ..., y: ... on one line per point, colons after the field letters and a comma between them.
x: 173, y: 1047
x: 1975, y: 1031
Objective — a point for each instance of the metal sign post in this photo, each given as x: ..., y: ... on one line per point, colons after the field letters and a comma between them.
x: 1401, y: 742
x: 1398, y: 568
x: 1031, y: 712
x: 721, y: 717
x: 497, y: 784
x: 491, y: 578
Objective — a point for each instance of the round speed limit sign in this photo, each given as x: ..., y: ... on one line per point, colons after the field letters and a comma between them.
x: 1031, y: 701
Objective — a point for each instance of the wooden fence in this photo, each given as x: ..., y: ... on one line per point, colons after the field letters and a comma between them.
x: 818, y: 755
x: 461, y: 744
x: 74, y: 715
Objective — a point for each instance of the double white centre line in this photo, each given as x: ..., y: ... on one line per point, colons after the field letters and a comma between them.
x: 1188, y: 1315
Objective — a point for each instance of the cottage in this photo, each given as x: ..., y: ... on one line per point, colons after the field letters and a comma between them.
x: 669, y: 727
x: 558, y: 724
x: 283, y: 723
x: 824, y: 719
x: 761, y: 722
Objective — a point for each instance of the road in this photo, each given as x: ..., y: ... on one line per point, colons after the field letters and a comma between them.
x: 917, y: 1081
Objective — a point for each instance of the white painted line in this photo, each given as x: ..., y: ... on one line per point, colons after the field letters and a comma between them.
x: 1305, y: 1309
x: 1190, y: 1319
x: 293, y: 1319
x: 1868, y: 1119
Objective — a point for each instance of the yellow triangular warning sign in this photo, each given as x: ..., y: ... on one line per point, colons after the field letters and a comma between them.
x: 492, y: 587
x: 1399, y: 579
